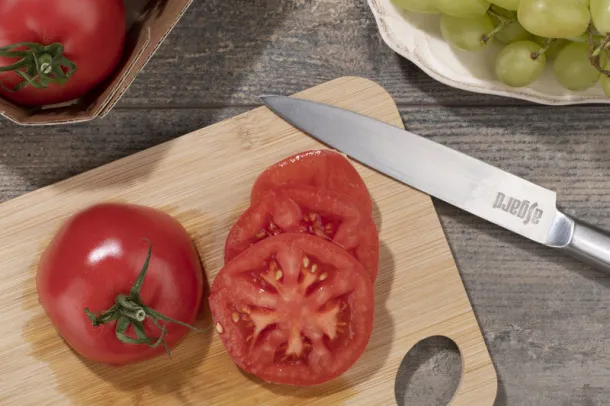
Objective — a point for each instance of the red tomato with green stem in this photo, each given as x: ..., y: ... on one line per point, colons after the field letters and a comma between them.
x: 293, y: 309
x: 119, y: 282
x: 53, y: 51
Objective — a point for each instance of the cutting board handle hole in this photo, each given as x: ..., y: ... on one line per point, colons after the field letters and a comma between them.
x: 429, y: 374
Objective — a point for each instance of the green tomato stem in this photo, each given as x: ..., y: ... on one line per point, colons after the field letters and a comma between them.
x: 38, y: 65
x: 129, y: 310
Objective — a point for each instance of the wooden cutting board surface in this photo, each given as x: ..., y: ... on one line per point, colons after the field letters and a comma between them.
x: 204, y: 179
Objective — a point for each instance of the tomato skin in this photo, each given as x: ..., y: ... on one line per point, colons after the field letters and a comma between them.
x: 91, y: 31
x: 284, y: 207
x: 96, y: 255
x: 345, y: 282
x: 324, y: 169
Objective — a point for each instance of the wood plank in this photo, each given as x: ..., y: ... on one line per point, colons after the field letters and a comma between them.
x: 544, y: 314
x: 418, y: 292
x: 529, y: 299
x: 32, y: 157
x: 229, y: 52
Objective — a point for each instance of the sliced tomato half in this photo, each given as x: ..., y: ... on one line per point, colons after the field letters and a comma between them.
x: 293, y: 309
x: 324, y: 169
x: 306, y: 209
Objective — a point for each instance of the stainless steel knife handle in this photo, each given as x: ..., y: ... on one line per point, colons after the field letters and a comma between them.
x: 586, y: 242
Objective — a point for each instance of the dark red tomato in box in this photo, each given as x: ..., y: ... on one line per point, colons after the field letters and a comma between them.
x: 323, y: 169
x: 92, y: 286
x: 307, y: 209
x: 293, y: 309
x: 59, y: 49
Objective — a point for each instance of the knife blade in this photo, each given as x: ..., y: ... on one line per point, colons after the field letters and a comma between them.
x: 481, y: 189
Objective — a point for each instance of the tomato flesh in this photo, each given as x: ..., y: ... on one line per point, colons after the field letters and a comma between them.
x: 323, y: 169
x: 305, y: 209
x: 91, y: 31
x: 293, y: 309
x: 98, y: 254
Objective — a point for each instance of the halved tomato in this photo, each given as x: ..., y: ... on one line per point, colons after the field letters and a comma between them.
x: 306, y: 209
x: 324, y: 169
x: 293, y: 309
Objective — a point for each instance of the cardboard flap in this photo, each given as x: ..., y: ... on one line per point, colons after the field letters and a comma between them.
x: 148, y: 22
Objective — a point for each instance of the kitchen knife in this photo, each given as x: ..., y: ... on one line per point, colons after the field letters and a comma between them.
x: 474, y: 186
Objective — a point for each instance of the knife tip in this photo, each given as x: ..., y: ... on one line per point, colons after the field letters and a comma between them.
x: 265, y: 98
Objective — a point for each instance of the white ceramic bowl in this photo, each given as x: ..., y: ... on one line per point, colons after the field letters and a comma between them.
x: 417, y: 37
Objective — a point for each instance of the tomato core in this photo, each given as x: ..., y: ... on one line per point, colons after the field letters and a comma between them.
x: 293, y: 308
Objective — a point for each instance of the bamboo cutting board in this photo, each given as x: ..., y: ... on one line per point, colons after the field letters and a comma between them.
x: 204, y: 179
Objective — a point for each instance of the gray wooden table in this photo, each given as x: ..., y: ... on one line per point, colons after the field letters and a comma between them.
x: 543, y: 314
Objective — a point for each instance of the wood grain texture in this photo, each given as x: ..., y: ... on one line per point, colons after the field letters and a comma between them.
x: 227, y: 53
x: 544, y: 315
x: 419, y: 292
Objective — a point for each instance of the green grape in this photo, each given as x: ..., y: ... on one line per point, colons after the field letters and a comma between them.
x: 554, y: 18
x: 419, y: 6
x: 466, y: 33
x: 512, y: 14
x: 600, y: 13
x: 554, y: 48
x: 463, y: 8
x: 507, y: 4
x: 604, y: 80
x: 516, y: 65
x: 581, y: 38
x: 572, y: 67
x: 512, y: 32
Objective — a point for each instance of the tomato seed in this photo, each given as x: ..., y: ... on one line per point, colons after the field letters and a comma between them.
x: 219, y: 328
x: 314, y: 268
x: 245, y: 309
x: 261, y: 234
x: 323, y: 276
x: 278, y: 275
x: 306, y: 262
x: 235, y: 317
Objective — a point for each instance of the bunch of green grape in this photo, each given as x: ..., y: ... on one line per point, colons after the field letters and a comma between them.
x: 574, y: 35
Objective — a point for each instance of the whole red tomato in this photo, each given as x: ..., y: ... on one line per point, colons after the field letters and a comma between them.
x: 61, y: 49
x: 91, y: 285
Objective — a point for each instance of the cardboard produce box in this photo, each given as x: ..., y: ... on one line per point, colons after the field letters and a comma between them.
x: 148, y: 23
